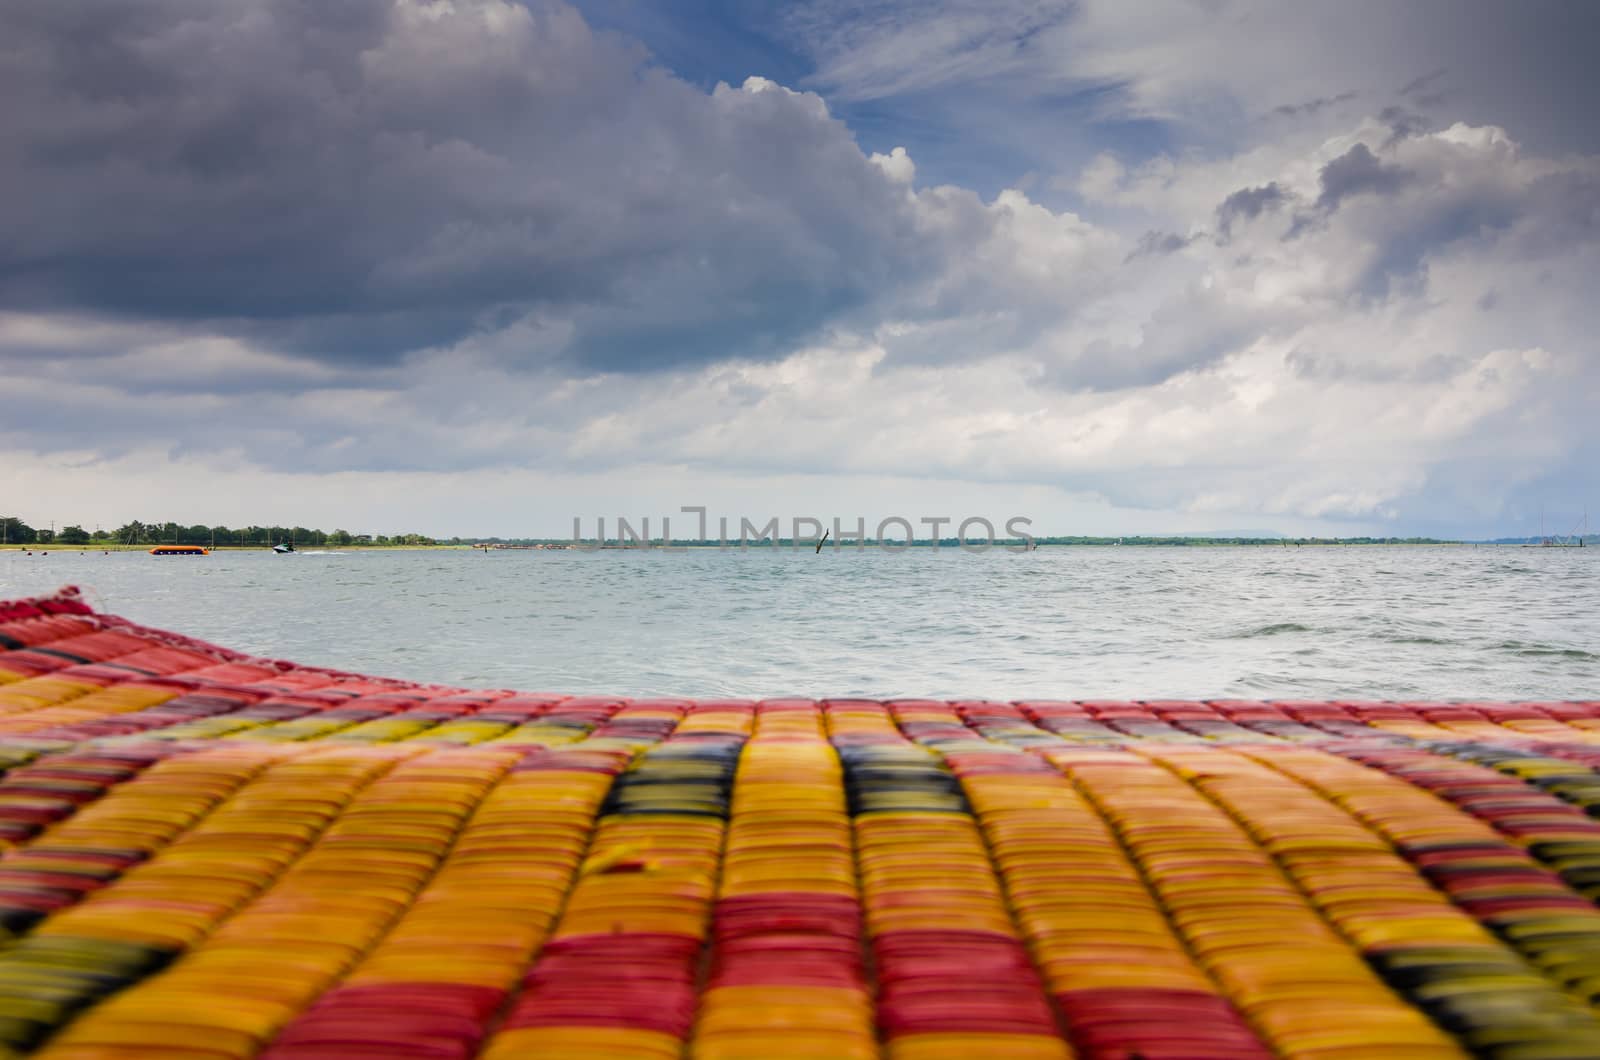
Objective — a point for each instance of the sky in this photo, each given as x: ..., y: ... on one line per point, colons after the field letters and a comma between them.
x: 481, y: 267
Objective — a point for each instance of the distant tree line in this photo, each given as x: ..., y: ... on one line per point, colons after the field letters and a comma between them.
x: 15, y: 531
x: 1587, y: 539
x: 953, y: 542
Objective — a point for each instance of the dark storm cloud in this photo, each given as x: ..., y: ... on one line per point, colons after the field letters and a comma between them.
x: 1313, y: 106
x: 1155, y: 244
x: 1357, y: 172
x: 1462, y: 191
x: 1248, y: 204
x: 357, y: 180
x: 1402, y: 123
x: 1417, y: 87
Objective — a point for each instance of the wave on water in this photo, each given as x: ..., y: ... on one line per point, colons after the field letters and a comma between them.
x: 1548, y: 650
x: 1270, y: 631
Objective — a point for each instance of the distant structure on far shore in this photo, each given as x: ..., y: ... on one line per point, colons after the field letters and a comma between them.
x: 1572, y: 540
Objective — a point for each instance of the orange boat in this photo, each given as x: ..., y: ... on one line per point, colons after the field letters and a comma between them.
x: 180, y: 550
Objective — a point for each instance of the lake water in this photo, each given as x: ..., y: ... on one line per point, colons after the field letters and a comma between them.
x: 1445, y: 622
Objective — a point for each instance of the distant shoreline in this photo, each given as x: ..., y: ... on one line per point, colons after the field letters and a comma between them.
x: 787, y: 544
x: 234, y: 548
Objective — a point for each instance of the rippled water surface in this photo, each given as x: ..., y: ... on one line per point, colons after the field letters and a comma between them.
x: 1066, y: 622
